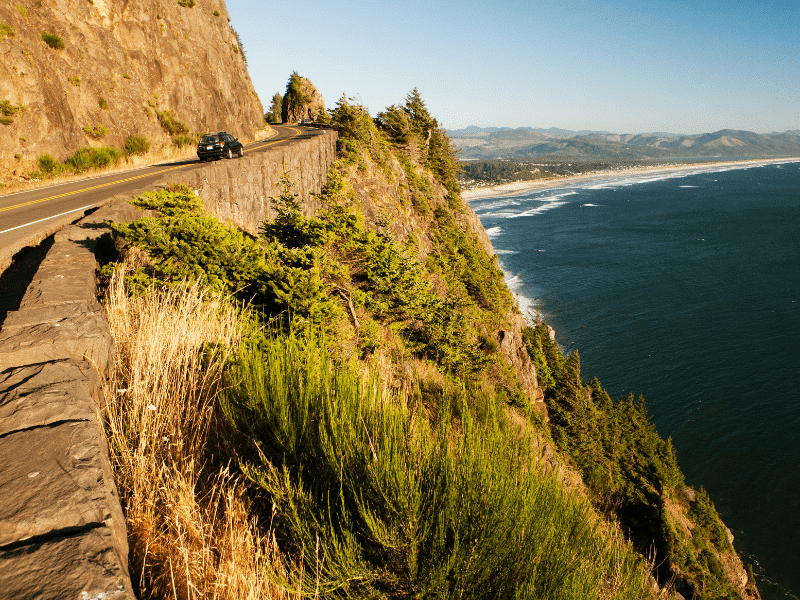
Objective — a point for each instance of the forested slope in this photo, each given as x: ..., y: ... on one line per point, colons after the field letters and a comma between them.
x: 402, y: 430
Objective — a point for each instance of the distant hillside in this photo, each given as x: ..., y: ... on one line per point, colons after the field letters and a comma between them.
x: 527, y: 142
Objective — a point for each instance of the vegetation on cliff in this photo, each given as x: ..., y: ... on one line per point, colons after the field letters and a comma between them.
x: 391, y: 447
x: 634, y: 476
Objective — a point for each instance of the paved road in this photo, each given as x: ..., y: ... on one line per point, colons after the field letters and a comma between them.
x: 25, y: 215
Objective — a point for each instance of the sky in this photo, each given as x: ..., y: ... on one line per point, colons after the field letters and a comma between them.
x: 610, y: 65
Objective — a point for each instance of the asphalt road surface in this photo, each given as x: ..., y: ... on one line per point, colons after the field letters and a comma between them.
x: 25, y: 215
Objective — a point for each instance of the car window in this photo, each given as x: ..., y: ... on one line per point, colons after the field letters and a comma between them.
x: 209, y: 139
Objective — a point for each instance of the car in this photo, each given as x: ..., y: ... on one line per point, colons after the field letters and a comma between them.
x: 305, y: 122
x: 217, y: 144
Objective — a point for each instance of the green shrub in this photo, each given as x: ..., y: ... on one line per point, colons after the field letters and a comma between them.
x: 216, y: 13
x: 376, y: 501
x: 53, y: 40
x: 126, y: 76
x: 75, y: 80
x: 6, y: 120
x: 186, y: 3
x: 23, y: 12
x: 93, y: 158
x: 102, y: 104
x: 137, y: 144
x: 49, y: 165
x: 9, y: 110
x: 184, y: 140
x: 170, y: 123
x: 6, y: 30
x: 95, y: 131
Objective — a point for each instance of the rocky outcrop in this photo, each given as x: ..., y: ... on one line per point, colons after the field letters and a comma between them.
x: 122, y: 63
x: 309, y: 109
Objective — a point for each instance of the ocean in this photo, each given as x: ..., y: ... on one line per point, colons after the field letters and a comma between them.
x: 684, y: 288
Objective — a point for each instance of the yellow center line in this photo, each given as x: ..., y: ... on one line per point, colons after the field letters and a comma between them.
x: 102, y: 185
x: 94, y: 187
x: 296, y: 133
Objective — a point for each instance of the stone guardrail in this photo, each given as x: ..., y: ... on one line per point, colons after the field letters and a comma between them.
x: 62, y: 530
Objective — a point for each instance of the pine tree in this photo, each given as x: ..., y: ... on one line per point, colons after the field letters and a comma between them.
x: 274, y: 114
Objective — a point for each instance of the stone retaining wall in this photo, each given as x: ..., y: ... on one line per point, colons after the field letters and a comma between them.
x: 239, y: 190
x: 62, y: 530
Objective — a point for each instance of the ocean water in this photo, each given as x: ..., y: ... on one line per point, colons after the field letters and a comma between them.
x: 684, y: 288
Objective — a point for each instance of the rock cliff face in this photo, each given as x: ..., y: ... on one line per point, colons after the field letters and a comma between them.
x: 114, y: 66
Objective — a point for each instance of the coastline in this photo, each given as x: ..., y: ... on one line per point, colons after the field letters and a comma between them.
x: 521, y: 187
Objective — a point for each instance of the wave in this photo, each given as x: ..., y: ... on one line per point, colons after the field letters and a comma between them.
x: 515, y: 283
x: 590, y: 204
x: 496, y: 204
x: 499, y: 252
x: 687, y: 186
x: 493, y: 232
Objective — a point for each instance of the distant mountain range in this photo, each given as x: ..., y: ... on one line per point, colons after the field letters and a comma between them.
x: 526, y: 142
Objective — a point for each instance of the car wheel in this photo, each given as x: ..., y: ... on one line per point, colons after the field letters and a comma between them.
x: 241, y: 150
x: 229, y: 154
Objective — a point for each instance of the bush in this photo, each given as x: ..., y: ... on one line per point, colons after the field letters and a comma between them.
x: 9, y: 110
x: 93, y: 158
x: 137, y: 144
x: 6, y: 30
x: 75, y: 80
x: 184, y: 140
x: 6, y: 120
x: 23, y: 12
x: 171, y: 124
x: 186, y: 3
x: 49, y: 165
x: 216, y: 13
x: 102, y: 104
x: 95, y: 131
x: 53, y: 41
x: 379, y: 502
x: 126, y: 76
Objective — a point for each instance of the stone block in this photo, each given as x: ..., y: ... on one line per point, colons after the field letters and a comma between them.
x: 48, y: 393
x: 56, y: 479
x: 84, y: 336
x: 62, y: 282
x: 59, y: 313
x: 82, y: 566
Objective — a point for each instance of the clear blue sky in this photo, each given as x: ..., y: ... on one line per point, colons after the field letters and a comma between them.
x: 626, y: 67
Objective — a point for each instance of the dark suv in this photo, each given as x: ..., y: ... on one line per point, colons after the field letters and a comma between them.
x: 217, y: 145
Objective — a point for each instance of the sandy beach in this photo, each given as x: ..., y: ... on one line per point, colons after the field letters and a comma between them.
x: 521, y: 187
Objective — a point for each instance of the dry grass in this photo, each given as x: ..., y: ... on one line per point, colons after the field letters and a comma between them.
x: 191, y: 530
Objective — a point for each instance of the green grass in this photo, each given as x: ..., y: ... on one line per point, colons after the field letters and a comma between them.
x: 102, y: 104
x: 379, y: 501
x: 23, y: 12
x: 53, y: 40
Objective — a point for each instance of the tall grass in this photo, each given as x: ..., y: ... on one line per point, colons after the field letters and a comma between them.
x: 382, y: 498
x: 191, y: 530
